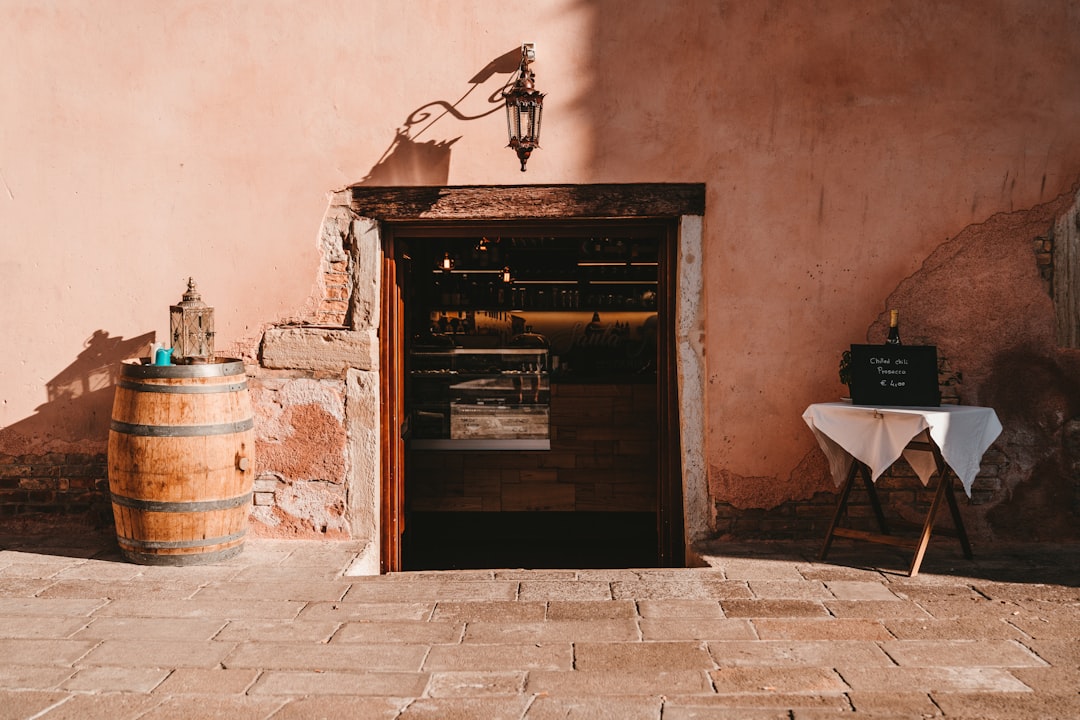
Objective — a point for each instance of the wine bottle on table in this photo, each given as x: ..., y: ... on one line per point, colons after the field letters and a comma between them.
x: 894, y: 328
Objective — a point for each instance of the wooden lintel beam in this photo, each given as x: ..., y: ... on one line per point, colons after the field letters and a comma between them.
x: 524, y: 202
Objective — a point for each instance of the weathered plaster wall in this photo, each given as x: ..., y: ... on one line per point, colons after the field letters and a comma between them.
x: 981, y: 299
x: 843, y: 145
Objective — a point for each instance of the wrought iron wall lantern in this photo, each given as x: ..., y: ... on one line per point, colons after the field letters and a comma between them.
x: 524, y: 107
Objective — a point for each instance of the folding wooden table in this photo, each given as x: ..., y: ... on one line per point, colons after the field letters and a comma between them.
x: 863, y: 442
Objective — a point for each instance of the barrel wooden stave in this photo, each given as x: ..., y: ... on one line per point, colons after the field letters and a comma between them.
x: 181, y: 494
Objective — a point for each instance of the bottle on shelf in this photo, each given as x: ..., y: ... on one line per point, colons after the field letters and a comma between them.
x: 894, y: 328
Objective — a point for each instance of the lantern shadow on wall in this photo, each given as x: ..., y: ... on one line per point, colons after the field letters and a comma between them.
x: 410, y: 161
x: 79, y: 396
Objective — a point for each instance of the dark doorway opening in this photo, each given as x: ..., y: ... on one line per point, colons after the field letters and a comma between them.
x: 472, y: 540
x: 531, y: 405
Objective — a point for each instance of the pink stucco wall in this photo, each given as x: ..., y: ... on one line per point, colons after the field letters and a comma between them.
x: 841, y: 143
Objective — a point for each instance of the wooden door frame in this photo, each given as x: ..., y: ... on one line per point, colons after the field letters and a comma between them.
x: 458, y: 206
x: 670, y: 525
x: 391, y: 404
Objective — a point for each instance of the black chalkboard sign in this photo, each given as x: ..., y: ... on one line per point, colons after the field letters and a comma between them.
x: 903, y: 375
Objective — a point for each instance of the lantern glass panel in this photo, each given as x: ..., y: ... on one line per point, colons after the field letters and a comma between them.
x: 536, y: 127
x: 532, y: 122
x: 515, y: 121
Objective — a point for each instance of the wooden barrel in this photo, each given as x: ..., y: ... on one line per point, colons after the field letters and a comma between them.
x: 181, y: 461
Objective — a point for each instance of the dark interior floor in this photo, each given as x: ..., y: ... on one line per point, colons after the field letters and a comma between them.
x: 533, y: 540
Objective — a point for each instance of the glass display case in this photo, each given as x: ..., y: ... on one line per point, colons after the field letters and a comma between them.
x: 479, y: 398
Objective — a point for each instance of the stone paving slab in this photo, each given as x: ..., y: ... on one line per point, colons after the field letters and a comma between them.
x: 593, y: 611
x: 553, y: 631
x: 1018, y: 706
x: 187, y: 707
x: 1064, y: 679
x: 899, y: 704
x: 690, y: 588
x: 774, y: 608
x: 521, y: 656
x: 23, y: 587
x: 252, y: 630
x: 112, y: 705
x: 303, y: 590
x: 790, y: 590
x: 303, y: 683
x: 212, y: 681
x: 679, y: 609
x: 342, y: 706
x: 821, y: 629
x: 812, y: 653
x: 116, y: 679
x: 935, y: 679
x: 730, y: 705
x: 959, y: 629
x: 756, y: 680
x: 225, y: 609
x: 542, y: 590
x: 960, y: 653
x: 465, y: 709
x: 624, y: 682
x: 399, y: 631
x: 368, y: 612
x: 1047, y: 628
x: 470, y: 683
x: 158, y: 653
x: 431, y: 590
x: 282, y: 631
x: 24, y: 651
x: 696, y: 629
x: 860, y: 590
x: 953, y: 609
x: 555, y: 707
x: 140, y: 628
x: 34, y: 677
x: 36, y: 607
x: 138, y: 589
x: 322, y: 657
x: 876, y: 609
x: 1060, y: 653
x: 498, y: 611
x: 28, y: 704
x: 656, y: 655
x: 42, y: 626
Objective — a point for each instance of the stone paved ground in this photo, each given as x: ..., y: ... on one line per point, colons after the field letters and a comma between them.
x: 763, y: 633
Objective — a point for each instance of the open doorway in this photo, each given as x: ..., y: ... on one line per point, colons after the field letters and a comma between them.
x: 676, y: 210
x: 531, y: 406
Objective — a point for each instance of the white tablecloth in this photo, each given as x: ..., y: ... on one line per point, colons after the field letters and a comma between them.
x: 878, y: 437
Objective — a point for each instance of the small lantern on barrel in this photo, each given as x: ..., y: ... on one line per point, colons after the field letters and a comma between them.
x: 191, y: 326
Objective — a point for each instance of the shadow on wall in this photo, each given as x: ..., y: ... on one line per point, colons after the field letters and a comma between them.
x: 76, y: 415
x: 409, y: 161
x: 1037, y: 397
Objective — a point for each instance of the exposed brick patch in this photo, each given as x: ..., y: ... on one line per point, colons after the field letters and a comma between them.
x: 68, y: 484
x: 902, y: 497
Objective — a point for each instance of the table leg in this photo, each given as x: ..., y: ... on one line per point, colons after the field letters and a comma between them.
x: 841, y: 504
x: 958, y: 522
x: 944, y: 491
x: 874, y: 502
x: 928, y: 526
